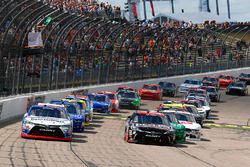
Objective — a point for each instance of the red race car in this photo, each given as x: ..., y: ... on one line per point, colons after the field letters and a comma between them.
x: 113, y: 97
x: 151, y: 91
x: 225, y: 80
x: 125, y: 88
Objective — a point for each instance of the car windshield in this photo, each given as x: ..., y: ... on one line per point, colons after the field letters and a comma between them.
x: 209, y: 79
x: 111, y: 96
x: 91, y: 97
x: 196, y: 104
x: 128, y: 95
x: 72, y: 109
x: 193, y: 82
x: 203, y: 103
x: 171, y: 117
x: 225, y: 77
x: 192, y: 109
x: 213, y: 90
x: 149, y: 119
x: 47, y: 112
x: 100, y: 98
x: 237, y: 84
x: 86, y: 102
x: 166, y: 84
x: 184, y: 117
x: 149, y: 87
x: 245, y: 75
x: 82, y: 105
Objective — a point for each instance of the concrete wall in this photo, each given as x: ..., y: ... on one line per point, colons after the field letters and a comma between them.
x: 14, y: 107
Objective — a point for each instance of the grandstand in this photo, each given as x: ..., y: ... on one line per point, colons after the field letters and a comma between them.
x: 49, y: 45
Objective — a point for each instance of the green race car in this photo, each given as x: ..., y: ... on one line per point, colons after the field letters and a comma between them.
x: 179, y: 129
x: 129, y: 99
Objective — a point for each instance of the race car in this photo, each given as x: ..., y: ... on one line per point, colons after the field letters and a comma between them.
x: 211, y: 81
x: 145, y: 126
x: 189, y: 83
x: 198, y: 105
x: 205, y: 105
x: 225, y: 80
x: 213, y: 93
x: 193, y: 110
x: 102, y: 104
x: 180, y: 134
x: 169, y: 88
x: 185, y: 108
x: 75, y: 113
x: 193, y: 96
x: 193, y: 129
x: 244, y: 77
x: 89, y: 107
x: 114, y: 100
x: 47, y: 121
x: 151, y: 91
x: 126, y: 88
x: 129, y: 99
x: 237, y: 88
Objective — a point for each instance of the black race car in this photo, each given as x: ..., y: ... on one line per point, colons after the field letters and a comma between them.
x: 210, y: 81
x: 145, y: 126
x: 237, y: 87
x: 169, y: 88
x: 213, y: 93
x: 244, y: 77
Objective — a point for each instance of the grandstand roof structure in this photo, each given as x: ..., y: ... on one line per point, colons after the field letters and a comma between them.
x: 194, y: 17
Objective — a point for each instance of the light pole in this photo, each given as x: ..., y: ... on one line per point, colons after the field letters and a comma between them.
x: 217, y: 7
x: 172, y: 4
x: 228, y: 9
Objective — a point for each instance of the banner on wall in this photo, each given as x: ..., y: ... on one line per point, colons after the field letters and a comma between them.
x: 35, y: 39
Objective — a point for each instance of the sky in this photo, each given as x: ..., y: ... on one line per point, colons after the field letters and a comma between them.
x: 240, y: 9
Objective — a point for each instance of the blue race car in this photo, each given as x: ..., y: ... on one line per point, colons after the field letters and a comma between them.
x: 47, y: 121
x: 75, y: 114
x: 102, y: 104
x: 87, y: 107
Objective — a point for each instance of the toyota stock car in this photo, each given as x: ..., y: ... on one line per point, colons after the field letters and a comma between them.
x: 47, y: 121
x: 146, y: 126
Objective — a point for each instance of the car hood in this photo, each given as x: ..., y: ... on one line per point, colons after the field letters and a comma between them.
x: 127, y: 99
x: 48, y: 120
x: 206, y: 108
x: 75, y: 116
x: 191, y: 125
x: 97, y: 103
x: 153, y: 126
x: 235, y: 87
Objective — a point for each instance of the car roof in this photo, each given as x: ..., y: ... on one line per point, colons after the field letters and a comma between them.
x: 106, y: 92
x: 150, y: 85
x: 167, y: 111
x: 149, y: 113
x: 183, y: 112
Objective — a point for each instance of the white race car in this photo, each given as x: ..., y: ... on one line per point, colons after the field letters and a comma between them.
x: 193, y: 129
x: 47, y: 121
x: 189, y: 84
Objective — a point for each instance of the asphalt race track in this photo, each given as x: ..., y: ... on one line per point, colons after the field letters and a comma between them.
x: 102, y: 145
